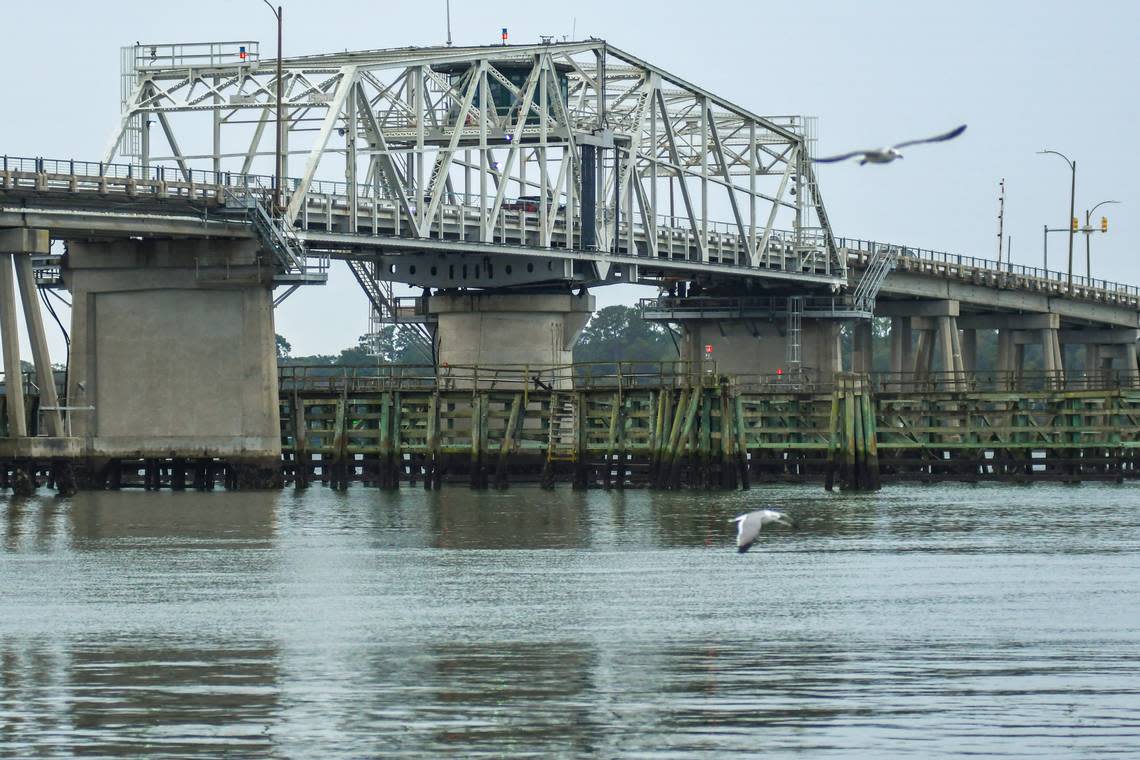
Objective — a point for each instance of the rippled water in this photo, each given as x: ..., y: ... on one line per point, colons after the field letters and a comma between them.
x: 921, y: 621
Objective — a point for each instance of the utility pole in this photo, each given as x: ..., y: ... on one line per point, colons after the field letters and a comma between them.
x: 280, y: 86
x: 1072, y: 207
x: 1088, y: 230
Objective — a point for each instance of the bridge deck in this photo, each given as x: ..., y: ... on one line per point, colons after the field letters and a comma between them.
x: 71, y: 196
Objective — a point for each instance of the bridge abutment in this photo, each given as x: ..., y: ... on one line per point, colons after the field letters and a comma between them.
x: 173, y: 351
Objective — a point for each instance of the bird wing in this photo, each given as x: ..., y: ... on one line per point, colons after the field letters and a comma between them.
x: 747, y: 529
x: 937, y: 138
x: 840, y: 157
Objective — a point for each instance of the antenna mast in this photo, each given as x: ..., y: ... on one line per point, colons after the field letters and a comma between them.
x: 1001, y: 216
x: 449, y: 23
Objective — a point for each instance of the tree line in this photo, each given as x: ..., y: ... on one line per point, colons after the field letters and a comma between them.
x: 618, y: 333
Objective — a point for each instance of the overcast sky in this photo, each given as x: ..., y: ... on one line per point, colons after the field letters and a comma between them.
x: 1024, y: 76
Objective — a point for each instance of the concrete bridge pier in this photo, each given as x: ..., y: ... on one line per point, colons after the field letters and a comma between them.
x: 488, y: 330
x: 1015, y: 332
x: 760, y: 347
x: 1105, y: 349
x: 173, y: 354
x: 936, y: 324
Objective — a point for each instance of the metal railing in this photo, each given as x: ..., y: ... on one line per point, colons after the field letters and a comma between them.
x: 813, y: 306
x: 340, y: 379
x: 166, y: 55
x: 859, y: 251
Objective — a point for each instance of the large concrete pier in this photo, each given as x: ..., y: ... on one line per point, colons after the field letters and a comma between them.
x: 172, y: 351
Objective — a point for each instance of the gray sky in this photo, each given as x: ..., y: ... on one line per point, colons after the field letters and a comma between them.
x: 1024, y: 76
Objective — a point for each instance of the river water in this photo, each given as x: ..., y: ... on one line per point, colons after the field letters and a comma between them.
x: 921, y: 621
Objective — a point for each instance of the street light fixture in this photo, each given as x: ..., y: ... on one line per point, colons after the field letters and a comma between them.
x: 1072, y: 206
x: 1088, y: 234
x: 278, y: 168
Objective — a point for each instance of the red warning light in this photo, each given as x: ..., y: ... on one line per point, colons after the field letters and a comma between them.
x: 779, y: 370
x: 708, y: 348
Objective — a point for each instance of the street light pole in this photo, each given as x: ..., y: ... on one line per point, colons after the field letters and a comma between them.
x: 1088, y: 234
x: 278, y: 168
x: 1072, y: 206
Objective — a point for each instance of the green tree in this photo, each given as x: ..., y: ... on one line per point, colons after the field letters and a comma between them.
x: 283, y: 347
x: 400, y: 344
x: 618, y: 333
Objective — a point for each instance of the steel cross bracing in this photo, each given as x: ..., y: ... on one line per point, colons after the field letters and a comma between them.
x: 580, y: 149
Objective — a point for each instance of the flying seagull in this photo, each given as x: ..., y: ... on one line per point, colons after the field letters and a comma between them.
x: 748, y: 526
x: 886, y: 155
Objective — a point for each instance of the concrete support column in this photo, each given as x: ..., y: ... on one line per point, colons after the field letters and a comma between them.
x: 923, y: 352
x: 1005, y: 350
x: 951, y: 352
x: 1092, y: 359
x: 489, y: 330
x: 10, y: 335
x: 863, y: 346
x: 970, y: 350
x: 33, y: 319
x: 1051, y: 354
x: 900, y: 345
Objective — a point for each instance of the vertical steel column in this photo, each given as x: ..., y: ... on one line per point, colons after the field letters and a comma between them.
x: 589, y: 198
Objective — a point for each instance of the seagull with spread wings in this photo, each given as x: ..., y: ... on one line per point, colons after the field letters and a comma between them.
x: 886, y: 155
x: 748, y: 526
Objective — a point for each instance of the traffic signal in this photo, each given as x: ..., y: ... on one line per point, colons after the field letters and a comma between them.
x: 1104, y: 224
x: 1076, y: 224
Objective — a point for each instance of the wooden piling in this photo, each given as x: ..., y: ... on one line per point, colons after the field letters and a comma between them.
x: 611, y: 440
x: 741, y: 442
x: 507, y: 445
x: 833, y: 442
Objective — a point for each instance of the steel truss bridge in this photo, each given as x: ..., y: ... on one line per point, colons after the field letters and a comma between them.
x: 522, y: 166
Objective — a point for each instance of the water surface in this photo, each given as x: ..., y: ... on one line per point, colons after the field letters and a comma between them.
x: 921, y: 621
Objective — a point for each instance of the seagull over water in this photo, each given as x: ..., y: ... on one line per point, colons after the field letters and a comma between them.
x: 886, y: 155
x: 748, y: 526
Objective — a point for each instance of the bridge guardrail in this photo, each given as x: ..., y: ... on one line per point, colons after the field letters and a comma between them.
x: 513, y: 377
x: 863, y: 248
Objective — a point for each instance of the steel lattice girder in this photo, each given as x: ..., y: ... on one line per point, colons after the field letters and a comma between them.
x: 413, y: 130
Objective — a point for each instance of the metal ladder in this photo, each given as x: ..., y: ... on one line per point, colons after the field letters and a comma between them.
x: 563, y: 443
x: 274, y: 233
x: 882, y: 261
x: 381, y: 301
x: 793, y: 347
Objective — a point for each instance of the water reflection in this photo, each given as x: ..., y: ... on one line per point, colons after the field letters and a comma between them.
x: 517, y: 519
x: 99, y: 518
x: 136, y: 697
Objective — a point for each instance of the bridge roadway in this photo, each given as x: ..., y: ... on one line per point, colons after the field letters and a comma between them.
x: 86, y: 199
